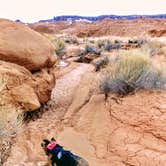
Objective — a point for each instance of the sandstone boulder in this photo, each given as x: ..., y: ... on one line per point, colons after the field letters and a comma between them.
x: 21, y: 89
x: 25, y: 95
x: 21, y: 45
x: 73, y: 51
x: 43, y: 82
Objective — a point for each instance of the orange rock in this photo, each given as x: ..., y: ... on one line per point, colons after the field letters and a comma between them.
x: 26, y: 96
x: 20, y: 88
x: 21, y: 45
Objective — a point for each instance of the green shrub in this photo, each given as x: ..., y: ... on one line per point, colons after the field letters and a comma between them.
x: 131, y: 71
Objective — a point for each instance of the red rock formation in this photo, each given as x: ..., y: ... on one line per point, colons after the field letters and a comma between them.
x: 21, y: 45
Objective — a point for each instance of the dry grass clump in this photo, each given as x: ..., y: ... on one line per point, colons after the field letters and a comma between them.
x: 59, y: 46
x: 10, y: 121
x: 58, y: 43
x: 163, y: 51
x: 108, y: 45
x: 131, y: 71
x: 153, y: 48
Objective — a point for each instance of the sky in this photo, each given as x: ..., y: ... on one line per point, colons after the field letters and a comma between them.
x: 35, y: 10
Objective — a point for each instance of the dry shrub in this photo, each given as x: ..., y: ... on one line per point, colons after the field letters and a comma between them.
x: 92, y: 49
x: 10, y: 121
x: 152, y: 48
x: 108, y: 45
x: 100, y: 62
x: 131, y: 71
x: 58, y: 43
x: 71, y: 40
x: 163, y: 51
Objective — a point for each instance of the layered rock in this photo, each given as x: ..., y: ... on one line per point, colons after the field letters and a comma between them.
x: 21, y: 45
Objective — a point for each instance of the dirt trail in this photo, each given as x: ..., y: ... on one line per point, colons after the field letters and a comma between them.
x: 26, y: 149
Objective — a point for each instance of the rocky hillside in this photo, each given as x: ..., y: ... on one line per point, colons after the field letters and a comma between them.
x: 140, y: 27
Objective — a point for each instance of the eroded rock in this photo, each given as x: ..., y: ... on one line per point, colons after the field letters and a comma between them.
x: 21, y: 45
x: 21, y: 88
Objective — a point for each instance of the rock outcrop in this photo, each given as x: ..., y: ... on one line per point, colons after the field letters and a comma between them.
x: 157, y: 33
x: 22, y: 89
x: 49, y: 27
x: 23, y: 50
x: 26, y: 77
x: 73, y: 51
x: 21, y: 45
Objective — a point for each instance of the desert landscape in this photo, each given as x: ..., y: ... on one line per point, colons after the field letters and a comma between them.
x: 98, y: 87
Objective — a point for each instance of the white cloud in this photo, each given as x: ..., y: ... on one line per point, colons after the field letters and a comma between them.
x: 34, y: 10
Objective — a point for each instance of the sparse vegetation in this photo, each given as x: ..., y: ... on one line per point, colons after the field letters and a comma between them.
x: 163, y: 51
x: 132, y: 71
x: 89, y: 53
x: 100, y: 62
x: 71, y: 40
x: 90, y: 49
x: 10, y: 122
x: 108, y: 45
x: 59, y: 45
x: 152, y: 48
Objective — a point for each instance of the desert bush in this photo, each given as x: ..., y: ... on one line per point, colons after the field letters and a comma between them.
x: 59, y: 47
x: 90, y: 49
x: 138, y: 41
x: 163, y: 51
x: 100, y: 62
x: 152, y: 47
x: 116, y: 41
x: 71, y: 40
x: 58, y: 43
x: 10, y: 123
x: 131, y: 71
x: 107, y: 45
x: 101, y: 43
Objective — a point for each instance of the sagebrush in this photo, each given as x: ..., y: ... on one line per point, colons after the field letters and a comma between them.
x: 131, y: 71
